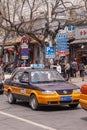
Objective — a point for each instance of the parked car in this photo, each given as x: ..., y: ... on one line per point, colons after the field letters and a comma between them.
x: 41, y: 87
x: 83, y: 96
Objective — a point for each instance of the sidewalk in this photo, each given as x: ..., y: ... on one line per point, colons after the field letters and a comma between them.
x: 78, y: 80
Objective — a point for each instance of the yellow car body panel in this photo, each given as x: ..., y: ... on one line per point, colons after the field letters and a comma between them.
x: 83, y: 101
x: 45, y: 99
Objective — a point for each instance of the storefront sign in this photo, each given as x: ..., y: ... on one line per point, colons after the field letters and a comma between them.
x: 81, y: 32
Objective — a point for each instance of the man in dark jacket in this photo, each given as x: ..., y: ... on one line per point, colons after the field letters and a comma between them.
x: 81, y: 69
x: 73, y: 68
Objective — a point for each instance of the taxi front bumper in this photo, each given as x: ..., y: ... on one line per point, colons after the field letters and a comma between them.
x: 58, y: 99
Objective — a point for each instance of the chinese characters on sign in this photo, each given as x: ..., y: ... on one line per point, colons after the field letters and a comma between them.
x: 62, y: 45
x: 81, y: 32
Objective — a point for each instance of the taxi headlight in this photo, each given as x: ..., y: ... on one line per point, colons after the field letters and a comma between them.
x: 76, y: 90
x: 48, y: 92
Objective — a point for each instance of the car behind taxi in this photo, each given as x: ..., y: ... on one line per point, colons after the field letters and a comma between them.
x: 83, y: 96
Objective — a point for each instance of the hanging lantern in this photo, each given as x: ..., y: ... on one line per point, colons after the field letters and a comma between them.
x: 10, y: 49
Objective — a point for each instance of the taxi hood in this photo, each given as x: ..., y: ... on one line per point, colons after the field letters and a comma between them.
x: 56, y: 86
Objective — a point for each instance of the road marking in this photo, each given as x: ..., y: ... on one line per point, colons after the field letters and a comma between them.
x: 27, y: 121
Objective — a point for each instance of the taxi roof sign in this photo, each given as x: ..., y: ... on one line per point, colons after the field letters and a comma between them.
x: 37, y: 65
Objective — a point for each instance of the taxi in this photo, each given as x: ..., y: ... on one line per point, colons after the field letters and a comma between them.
x: 41, y: 87
x: 83, y: 96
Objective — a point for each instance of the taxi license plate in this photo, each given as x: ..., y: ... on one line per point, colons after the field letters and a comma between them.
x: 69, y: 98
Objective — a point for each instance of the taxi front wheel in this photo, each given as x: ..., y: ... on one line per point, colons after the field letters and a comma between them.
x: 11, y: 98
x: 33, y: 102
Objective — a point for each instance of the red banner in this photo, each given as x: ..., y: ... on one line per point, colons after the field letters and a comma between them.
x: 62, y: 52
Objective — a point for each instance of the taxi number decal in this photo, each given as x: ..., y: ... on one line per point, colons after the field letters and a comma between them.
x: 23, y: 91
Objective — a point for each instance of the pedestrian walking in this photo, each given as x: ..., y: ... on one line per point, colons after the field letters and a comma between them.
x: 1, y: 72
x: 85, y: 70
x: 59, y: 68
x: 67, y: 70
x: 81, y: 69
x: 73, y: 68
x: 62, y: 64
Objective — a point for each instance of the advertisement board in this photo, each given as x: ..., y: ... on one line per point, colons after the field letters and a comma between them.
x: 81, y: 32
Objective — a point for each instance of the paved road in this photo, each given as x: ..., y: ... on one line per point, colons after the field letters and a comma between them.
x: 20, y: 117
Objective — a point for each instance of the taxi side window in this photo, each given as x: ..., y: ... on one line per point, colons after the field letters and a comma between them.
x: 17, y: 76
x: 25, y: 77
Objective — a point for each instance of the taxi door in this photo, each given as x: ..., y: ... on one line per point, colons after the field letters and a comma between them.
x: 24, y: 86
x: 20, y: 86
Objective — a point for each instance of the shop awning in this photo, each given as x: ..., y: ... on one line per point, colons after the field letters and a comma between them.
x: 6, y: 47
x: 79, y: 41
x: 13, y: 41
x: 18, y: 40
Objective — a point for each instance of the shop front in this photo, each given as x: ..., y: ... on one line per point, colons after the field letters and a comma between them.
x: 78, y: 50
x: 15, y: 51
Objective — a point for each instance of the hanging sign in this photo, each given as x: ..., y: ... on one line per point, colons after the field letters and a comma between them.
x: 24, y: 48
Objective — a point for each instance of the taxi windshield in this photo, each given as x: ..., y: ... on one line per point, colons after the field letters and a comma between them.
x: 46, y: 76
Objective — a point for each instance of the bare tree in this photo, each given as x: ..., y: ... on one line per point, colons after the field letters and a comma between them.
x: 20, y: 17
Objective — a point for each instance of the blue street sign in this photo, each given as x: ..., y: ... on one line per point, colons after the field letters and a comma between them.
x: 62, y: 37
x: 71, y: 28
x: 50, y: 52
x: 63, y: 47
x: 62, y: 42
x: 25, y: 52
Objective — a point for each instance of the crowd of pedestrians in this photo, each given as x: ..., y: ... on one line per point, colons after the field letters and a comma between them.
x: 70, y: 69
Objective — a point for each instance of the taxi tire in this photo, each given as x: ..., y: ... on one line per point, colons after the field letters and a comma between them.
x: 33, y: 102
x: 11, y: 98
x: 73, y: 105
